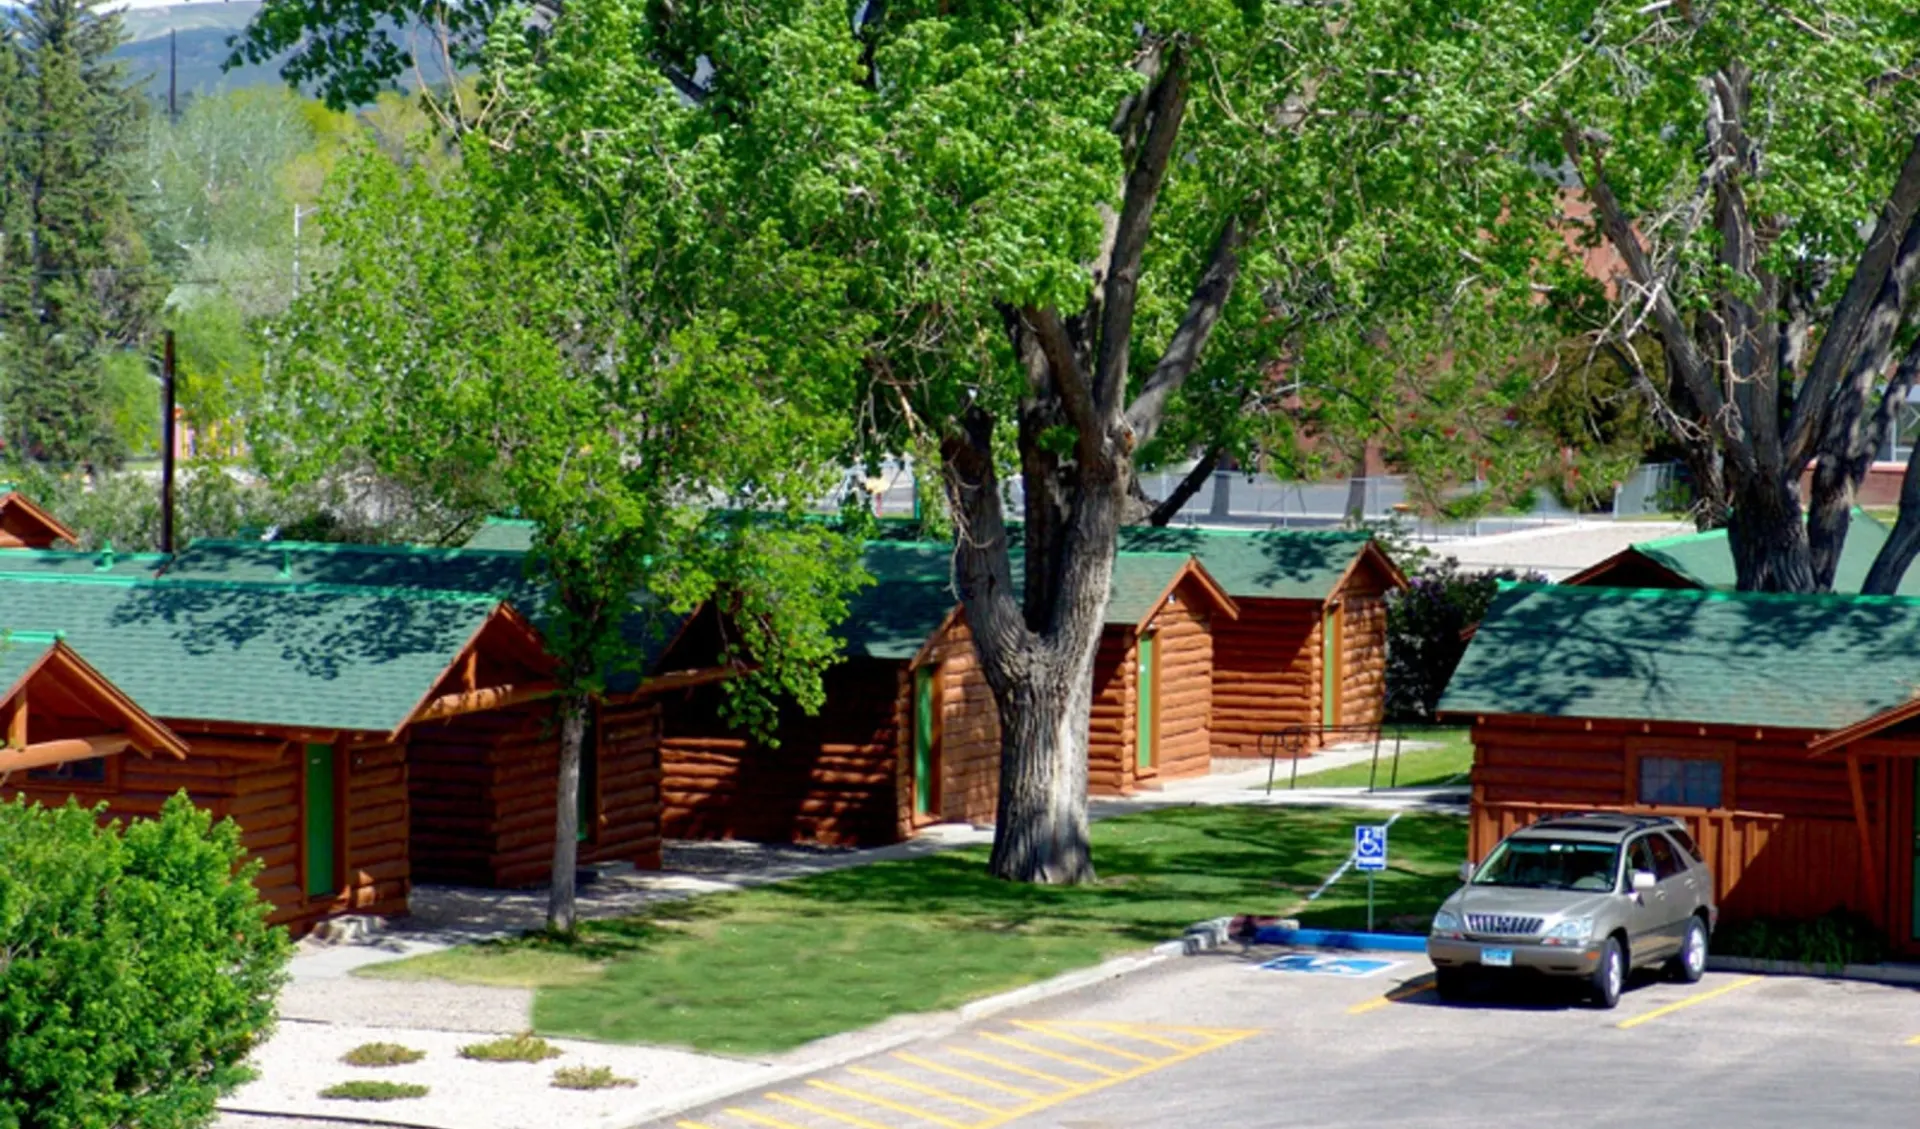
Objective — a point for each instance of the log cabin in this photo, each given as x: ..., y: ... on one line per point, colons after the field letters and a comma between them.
x: 24, y: 524
x: 61, y: 720
x: 294, y: 703
x: 483, y: 785
x: 1306, y: 658
x: 1152, y: 717
x: 1784, y: 729
x: 907, y: 735
x: 1705, y: 561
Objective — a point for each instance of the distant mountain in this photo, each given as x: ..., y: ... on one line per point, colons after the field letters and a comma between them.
x: 202, y: 31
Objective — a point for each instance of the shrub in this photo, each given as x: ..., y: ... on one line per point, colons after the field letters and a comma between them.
x: 137, y: 969
x: 588, y: 1078
x: 1832, y: 939
x: 525, y: 1047
x: 1424, y: 625
x: 381, y: 1054
x: 366, y: 1090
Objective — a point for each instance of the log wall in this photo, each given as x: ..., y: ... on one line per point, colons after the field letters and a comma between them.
x: 260, y: 782
x: 1785, y: 845
x: 1184, y: 654
x: 833, y: 778
x: 1110, y: 733
x: 967, y: 737
x: 1363, y: 648
x: 484, y: 787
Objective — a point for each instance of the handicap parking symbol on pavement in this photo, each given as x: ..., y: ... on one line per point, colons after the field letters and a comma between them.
x: 1317, y: 964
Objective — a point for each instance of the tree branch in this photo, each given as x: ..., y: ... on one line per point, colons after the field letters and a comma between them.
x: 1177, y: 498
x: 1167, y: 105
x: 1842, y: 340
x: 1209, y: 299
x: 981, y: 563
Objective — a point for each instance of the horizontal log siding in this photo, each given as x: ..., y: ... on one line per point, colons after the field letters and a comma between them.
x: 1787, y: 847
x: 485, y: 785
x: 260, y: 788
x: 1265, y: 674
x: 1363, y: 646
x: 833, y: 778
x: 1184, y: 642
x: 1110, y: 727
x: 969, y: 737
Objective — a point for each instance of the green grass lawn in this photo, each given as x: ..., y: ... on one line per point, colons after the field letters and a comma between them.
x: 1445, y: 764
x: 770, y: 968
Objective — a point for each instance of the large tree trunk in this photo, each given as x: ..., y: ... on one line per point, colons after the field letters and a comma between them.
x: 566, y: 823
x: 1769, y: 539
x: 1041, y: 829
x: 1890, y: 567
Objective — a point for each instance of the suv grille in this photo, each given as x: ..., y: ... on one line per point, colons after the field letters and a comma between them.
x: 1504, y: 925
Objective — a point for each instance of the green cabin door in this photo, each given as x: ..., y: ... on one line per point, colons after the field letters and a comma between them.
x: 926, y: 768
x: 323, y: 823
x: 1330, y: 667
x: 1146, y: 687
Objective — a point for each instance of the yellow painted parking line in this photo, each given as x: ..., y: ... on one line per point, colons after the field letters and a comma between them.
x: 1404, y: 992
x: 823, y: 1111
x: 1076, y: 1063
x: 919, y: 1088
x: 690, y: 1125
x: 889, y: 1103
x: 1914, y: 1042
x: 1701, y: 998
x: 928, y: 1064
x: 1064, y: 1083
x: 1131, y: 1032
x: 1048, y: 1030
x: 1215, y: 1041
x: 760, y: 1119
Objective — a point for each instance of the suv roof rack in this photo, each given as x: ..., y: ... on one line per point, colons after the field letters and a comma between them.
x: 1603, y: 821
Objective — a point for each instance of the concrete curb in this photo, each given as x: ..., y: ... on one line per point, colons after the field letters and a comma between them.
x: 1200, y: 937
x: 1339, y: 939
x: 1904, y: 976
x: 909, y: 1028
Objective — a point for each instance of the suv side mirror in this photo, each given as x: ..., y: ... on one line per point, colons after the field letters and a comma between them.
x: 1644, y: 880
x: 1466, y: 871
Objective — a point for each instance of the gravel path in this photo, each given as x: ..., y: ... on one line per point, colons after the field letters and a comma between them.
x: 304, y: 1058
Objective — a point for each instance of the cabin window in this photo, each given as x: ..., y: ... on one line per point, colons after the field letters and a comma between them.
x: 1686, y: 782
x: 92, y: 770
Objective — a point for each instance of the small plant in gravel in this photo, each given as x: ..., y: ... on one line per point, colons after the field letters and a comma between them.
x: 524, y: 1047
x: 364, y: 1090
x: 588, y: 1078
x: 381, y: 1054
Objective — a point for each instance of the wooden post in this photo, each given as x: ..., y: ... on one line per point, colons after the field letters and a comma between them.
x: 1867, y: 854
x: 17, y: 724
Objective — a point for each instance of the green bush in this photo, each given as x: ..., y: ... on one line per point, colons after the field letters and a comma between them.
x: 381, y: 1054
x: 589, y: 1078
x: 1424, y: 625
x: 524, y: 1047
x: 1833, y: 939
x: 362, y: 1090
x: 137, y: 969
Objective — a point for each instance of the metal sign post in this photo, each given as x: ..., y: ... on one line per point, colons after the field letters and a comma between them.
x: 1370, y: 857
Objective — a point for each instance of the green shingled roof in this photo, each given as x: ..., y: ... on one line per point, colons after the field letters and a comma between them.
x: 71, y: 563
x: 1139, y: 579
x: 306, y: 656
x: 1715, y: 658
x: 389, y: 567
x: 20, y: 651
x: 1707, y: 560
x: 1272, y: 564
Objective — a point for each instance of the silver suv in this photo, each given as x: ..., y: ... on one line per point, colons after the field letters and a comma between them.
x: 1590, y: 896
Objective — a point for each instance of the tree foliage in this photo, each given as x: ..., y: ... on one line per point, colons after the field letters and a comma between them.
x: 137, y: 970
x: 74, y: 275
x: 1426, y: 625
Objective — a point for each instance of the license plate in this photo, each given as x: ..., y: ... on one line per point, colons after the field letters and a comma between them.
x: 1497, y: 958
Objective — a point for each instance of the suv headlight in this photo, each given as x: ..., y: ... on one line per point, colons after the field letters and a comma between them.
x: 1573, y: 931
x: 1446, y: 923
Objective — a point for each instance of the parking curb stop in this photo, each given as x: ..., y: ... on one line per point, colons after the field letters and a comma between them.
x: 1200, y: 937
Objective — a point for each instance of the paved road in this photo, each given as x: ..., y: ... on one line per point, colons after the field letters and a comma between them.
x: 1219, y: 1041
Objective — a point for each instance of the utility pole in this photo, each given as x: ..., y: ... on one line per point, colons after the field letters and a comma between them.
x: 173, y: 73
x: 166, y: 445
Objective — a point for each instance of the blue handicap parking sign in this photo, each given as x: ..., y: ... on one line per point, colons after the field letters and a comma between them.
x: 1370, y: 846
x: 1318, y: 964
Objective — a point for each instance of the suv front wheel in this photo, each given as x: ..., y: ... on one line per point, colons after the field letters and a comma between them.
x: 1690, y: 963
x: 1610, y: 975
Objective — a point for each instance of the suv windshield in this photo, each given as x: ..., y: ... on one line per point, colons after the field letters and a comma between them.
x: 1551, y: 864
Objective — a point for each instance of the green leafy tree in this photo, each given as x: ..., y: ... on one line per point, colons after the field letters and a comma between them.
x: 75, y: 283
x: 1755, y: 170
x: 521, y: 331
x: 137, y: 968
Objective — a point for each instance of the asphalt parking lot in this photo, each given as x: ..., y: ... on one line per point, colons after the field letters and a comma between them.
x: 1220, y: 1040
